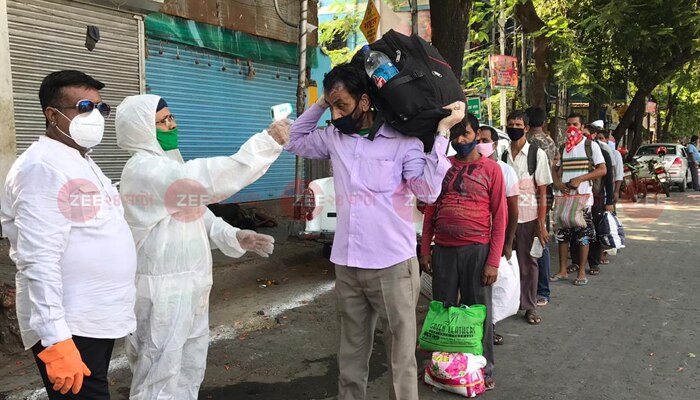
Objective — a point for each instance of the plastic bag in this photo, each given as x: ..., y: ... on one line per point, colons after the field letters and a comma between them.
x: 506, y: 290
x: 458, y: 373
x: 568, y: 211
x: 453, y: 329
x: 610, y: 232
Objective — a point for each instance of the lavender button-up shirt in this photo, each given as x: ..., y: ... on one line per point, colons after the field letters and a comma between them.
x: 374, y: 180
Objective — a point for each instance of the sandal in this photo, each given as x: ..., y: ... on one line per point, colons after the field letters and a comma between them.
x: 605, y: 261
x: 558, y: 278
x: 490, y: 384
x: 581, y: 282
x: 572, y: 268
x: 532, y: 317
x: 542, y: 301
x: 594, y: 270
x: 497, y: 339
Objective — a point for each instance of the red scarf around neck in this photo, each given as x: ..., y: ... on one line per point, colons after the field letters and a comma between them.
x: 574, y: 137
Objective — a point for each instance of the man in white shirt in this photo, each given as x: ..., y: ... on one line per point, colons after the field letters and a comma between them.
x: 532, y: 207
x: 74, y: 252
x: 618, y: 163
x: 575, y: 172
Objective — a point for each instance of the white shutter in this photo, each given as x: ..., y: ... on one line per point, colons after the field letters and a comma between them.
x: 47, y: 36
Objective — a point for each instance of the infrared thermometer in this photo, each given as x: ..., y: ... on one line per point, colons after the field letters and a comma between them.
x: 281, y: 111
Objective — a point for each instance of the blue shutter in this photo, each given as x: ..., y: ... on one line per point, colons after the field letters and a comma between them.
x: 218, y: 110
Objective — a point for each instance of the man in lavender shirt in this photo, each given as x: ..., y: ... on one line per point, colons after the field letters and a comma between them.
x: 374, y: 250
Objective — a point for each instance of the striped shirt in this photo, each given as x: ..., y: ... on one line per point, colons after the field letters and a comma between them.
x: 575, y: 164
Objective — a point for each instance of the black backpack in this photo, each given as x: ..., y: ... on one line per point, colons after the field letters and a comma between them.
x: 412, y: 101
x: 531, y: 158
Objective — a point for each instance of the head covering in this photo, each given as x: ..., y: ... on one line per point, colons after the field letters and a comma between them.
x: 161, y: 104
x: 136, y: 126
x: 598, y: 124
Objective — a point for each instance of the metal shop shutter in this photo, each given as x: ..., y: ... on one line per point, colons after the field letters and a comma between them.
x: 218, y: 106
x: 47, y: 36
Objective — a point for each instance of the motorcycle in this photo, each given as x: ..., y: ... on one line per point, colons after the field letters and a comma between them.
x: 632, y: 186
x: 660, y: 178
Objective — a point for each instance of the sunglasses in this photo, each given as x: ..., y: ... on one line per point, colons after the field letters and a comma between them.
x: 86, y: 106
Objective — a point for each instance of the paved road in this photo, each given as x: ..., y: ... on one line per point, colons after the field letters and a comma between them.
x: 632, y: 333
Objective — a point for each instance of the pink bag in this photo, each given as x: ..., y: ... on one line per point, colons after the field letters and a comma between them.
x: 458, y: 373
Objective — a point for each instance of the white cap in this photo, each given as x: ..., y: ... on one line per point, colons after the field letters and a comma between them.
x: 598, y: 123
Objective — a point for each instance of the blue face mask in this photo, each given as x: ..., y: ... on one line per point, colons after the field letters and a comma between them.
x: 464, y: 149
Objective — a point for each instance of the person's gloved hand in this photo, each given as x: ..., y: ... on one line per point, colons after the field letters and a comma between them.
x: 64, y: 366
x: 256, y: 242
x: 279, y: 131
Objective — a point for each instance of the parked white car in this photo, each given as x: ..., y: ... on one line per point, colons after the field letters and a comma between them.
x: 675, y: 161
x: 319, y: 209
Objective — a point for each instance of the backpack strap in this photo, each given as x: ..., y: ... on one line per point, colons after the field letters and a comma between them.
x: 504, y: 156
x: 589, y: 154
x: 378, y: 121
x: 532, y: 159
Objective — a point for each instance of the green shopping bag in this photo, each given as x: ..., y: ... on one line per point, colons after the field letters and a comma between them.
x: 453, y: 329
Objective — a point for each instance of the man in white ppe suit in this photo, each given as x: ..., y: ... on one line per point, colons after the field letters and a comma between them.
x: 165, y: 205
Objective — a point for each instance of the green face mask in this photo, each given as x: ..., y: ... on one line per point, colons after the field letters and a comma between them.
x: 167, y: 139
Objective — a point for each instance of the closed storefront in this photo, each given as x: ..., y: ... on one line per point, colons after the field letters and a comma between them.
x: 47, y: 36
x: 220, y: 85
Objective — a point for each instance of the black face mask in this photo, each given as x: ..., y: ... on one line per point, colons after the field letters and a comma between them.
x: 515, y: 133
x: 348, y: 124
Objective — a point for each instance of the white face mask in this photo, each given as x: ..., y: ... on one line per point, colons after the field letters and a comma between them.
x: 86, y: 130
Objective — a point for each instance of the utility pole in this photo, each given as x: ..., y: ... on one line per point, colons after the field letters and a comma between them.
x: 414, y: 16
x: 301, y: 95
x: 523, y: 69
x: 502, y: 41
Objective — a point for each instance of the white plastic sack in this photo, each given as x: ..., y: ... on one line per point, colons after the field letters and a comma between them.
x: 610, y: 232
x: 506, y: 290
x: 426, y: 285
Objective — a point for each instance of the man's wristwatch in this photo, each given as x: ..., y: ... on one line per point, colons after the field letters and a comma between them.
x: 444, y: 133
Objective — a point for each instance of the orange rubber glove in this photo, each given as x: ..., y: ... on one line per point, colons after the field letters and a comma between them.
x: 64, y: 366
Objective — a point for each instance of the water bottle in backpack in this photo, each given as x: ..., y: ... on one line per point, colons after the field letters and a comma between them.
x: 378, y: 66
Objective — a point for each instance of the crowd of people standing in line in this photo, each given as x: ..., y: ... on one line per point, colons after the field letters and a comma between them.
x: 491, y: 205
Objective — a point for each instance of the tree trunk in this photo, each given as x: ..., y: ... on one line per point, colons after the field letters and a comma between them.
x: 450, y: 19
x: 638, y: 137
x: 531, y: 22
x: 670, y: 111
x: 638, y: 102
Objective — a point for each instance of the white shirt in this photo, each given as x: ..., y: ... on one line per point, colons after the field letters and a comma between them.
x: 619, y: 166
x: 527, y: 203
x: 510, y: 178
x: 579, y: 152
x: 75, y: 255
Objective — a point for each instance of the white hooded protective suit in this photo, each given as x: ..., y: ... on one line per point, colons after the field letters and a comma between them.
x: 174, y: 236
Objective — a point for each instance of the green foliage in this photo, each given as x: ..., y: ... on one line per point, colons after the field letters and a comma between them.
x: 340, y: 56
x: 346, y: 21
x: 685, y: 84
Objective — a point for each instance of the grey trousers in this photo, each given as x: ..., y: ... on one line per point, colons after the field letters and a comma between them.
x: 529, y: 270
x: 457, y: 275
x: 363, y: 296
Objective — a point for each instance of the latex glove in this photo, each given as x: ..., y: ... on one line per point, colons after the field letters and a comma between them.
x: 279, y: 131
x: 64, y: 366
x: 261, y: 244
